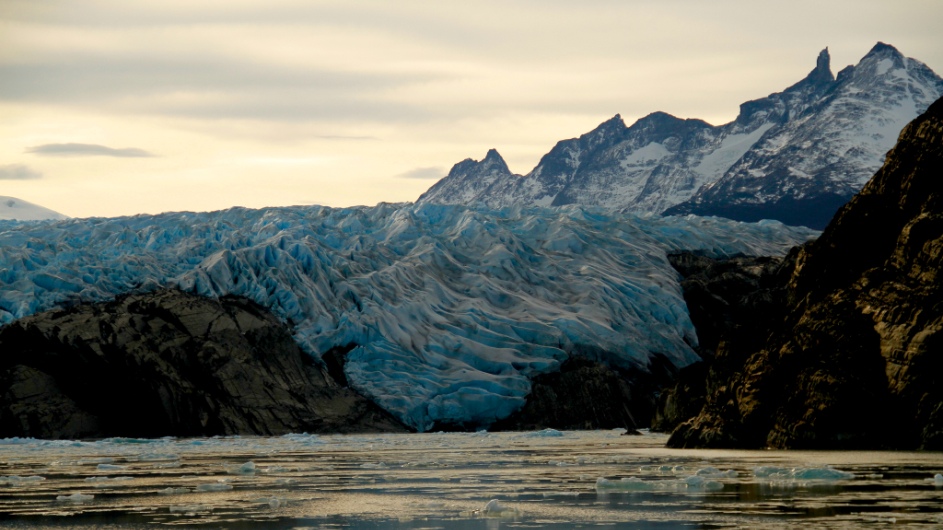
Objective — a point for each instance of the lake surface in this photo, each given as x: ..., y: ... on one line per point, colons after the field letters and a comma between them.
x: 546, y: 479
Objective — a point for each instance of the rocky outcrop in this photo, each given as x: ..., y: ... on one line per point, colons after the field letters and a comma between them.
x: 168, y: 363
x: 855, y: 361
x: 737, y: 297
x: 587, y: 394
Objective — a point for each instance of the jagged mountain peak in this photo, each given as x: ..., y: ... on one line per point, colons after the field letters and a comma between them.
x: 794, y: 155
x: 608, y: 128
x: 820, y: 76
x: 883, y: 49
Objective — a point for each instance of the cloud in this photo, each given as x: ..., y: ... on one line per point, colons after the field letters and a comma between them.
x: 18, y: 172
x: 71, y: 149
x: 427, y: 173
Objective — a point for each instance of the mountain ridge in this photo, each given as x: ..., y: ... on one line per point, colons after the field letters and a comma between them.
x: 796, y: 154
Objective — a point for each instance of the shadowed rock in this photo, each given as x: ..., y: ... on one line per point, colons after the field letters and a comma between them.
x: 857, y: 359
x: 168, y: 363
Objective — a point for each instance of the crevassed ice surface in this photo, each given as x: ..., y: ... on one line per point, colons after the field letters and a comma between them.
x: 452, y: 308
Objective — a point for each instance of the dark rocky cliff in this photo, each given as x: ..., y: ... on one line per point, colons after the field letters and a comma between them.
x: 855, y: 360
x: 168, y: 363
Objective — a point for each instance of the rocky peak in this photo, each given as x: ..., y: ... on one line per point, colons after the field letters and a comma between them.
x: 493, y: 160
x: 606, y: 133
x: 819, y: 78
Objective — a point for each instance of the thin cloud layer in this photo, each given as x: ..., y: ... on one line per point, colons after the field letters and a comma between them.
x: 18, y: 172
x: 369, y: 89
x: 72, y: 149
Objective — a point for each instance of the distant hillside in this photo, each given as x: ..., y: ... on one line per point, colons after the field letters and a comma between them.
x: 12, y: 208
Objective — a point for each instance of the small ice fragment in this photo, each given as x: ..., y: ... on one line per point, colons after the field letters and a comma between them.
x: 189, y: 508
x: 100, y: 460
x: 546, y: 433
x: 75, y: 497
x: 494, y: 508
x: 158, y: 456
x: 625, y: 484
x: 111, y: 467
x: 802, y: 473
x: 214, y: 487
x: 15, y: 480
x: 822, y: 473
x: 272, y: 502
x: 938, y: 479
x: 173, y: 491
x: 244, y: 469
x: 701, y: 483
x: 713, y: 472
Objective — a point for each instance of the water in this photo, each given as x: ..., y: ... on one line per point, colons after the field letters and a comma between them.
x: 458, y: 480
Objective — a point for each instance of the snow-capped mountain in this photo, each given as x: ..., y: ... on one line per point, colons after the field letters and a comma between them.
x: 794, y: 155
x: 20, y: 210
x: 452, y: 309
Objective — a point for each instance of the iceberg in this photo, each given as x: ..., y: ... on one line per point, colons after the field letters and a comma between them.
x: 450, y: 310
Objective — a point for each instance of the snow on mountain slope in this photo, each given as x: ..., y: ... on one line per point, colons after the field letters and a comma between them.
x: 12, y: 208
x: 453, y: 308
x: 794, y: 155
x: 834, y: 147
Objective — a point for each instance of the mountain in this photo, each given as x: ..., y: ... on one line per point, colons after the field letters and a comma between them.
x: 795, y: 155
x: 852, y: 358
x: 20, y: 210
x: 441, y: 315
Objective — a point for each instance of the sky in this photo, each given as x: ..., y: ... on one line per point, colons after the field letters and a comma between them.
x: 112, y: 108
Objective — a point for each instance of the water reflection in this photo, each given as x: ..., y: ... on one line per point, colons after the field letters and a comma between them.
x: 463, y: 481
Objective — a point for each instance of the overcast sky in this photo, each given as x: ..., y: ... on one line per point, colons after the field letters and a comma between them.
x: 115, y: 108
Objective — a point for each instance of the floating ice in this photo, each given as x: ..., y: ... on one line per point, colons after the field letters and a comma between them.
x: 240, y: 469
x: 214, y: 487
x: 713, y: 472
x: 173, y: 491
x: 16, y: 480
x: 494, y: 508
x: 111, y: 467
x: 545, y: 433
x: 691, y: 483
x: 75, y: 497
x: 453, y: 309
x: 824, y: 474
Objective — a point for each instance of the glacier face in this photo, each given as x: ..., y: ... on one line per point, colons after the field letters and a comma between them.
x: 452, y: 308
x: 794, y: 155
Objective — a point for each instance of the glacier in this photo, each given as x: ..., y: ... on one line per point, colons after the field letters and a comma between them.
x: 450, y: 309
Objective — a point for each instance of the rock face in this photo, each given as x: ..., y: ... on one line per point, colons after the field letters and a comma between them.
x: 795, y: 155
x: 586, y: 394
x: 738, y: 297
x: 857, y: 359
x: 168, y: 363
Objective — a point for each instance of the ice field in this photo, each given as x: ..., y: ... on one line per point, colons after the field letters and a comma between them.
x: 452, y: 309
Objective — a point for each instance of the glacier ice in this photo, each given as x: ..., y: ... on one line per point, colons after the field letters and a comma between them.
x: 451, y: 309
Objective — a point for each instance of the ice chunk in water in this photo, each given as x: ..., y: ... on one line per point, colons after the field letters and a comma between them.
x: 240, y: 469
x: 214, y: 487
x: 802, y: 474
x: 494, y: 508
x: 75, y: 497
